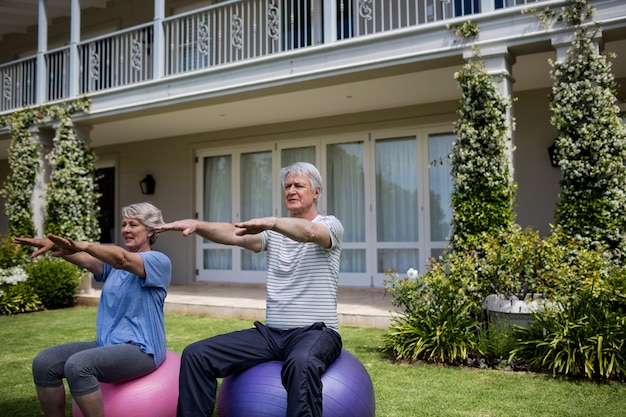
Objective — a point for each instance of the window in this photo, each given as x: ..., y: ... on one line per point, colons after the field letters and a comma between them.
x: 391, y: 191
x: 465, y: 7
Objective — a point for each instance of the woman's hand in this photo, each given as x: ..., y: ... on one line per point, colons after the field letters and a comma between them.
x: 58, y: 245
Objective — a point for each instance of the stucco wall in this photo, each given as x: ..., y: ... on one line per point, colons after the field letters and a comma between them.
x: 537, y: 180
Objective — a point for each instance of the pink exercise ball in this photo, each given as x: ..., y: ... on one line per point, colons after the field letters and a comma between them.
x: 347, y: 391
x: 152, y: 395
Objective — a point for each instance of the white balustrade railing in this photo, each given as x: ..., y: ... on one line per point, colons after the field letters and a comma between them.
x: 18, y: 83
x: 113, y: 61
x: 57, y: 70
x: 226, y: 32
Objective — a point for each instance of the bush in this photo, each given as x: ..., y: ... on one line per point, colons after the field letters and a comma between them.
x: 585, y: 335
x: 18, y: 298
x: 54, y: 280
x: 12, y: 254
x: 15, y: 295
x: 439, y: 312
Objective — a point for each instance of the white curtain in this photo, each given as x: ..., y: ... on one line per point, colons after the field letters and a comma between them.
x: 256, y: 199
x: 217, y: 205
x: 397, y: 208
x: 345, y: 192
x: 396, y: 190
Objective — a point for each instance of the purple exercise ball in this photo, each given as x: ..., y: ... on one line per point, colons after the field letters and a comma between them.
x: 347, y: 391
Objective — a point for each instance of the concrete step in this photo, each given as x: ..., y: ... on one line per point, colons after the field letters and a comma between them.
x: 359, y: 307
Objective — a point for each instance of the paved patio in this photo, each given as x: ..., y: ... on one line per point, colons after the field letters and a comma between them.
x: 360, y: 307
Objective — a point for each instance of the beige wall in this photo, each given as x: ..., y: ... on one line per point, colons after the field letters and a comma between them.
x: 537, y: 180
x: 171, y: 163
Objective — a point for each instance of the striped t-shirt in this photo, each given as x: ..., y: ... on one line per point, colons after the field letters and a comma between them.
x: 302, y: 279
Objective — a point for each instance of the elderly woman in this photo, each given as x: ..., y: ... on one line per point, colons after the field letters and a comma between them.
x: 130, y: 332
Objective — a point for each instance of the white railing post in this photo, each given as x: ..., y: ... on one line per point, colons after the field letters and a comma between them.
x: 487, y: 6
x: 74, y: 64
x: 158, y: 42
x: 42, y: 47
x: 330, y: 21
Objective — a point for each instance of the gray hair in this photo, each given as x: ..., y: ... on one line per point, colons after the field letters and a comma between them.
x: 147, y: 214
x: 305, y: 169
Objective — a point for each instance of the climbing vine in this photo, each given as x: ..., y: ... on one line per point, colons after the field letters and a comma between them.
x: 71, y: 192
x: 591, y: 142
x: 484, y: 192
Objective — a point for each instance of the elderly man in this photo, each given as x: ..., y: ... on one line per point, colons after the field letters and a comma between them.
x: 301, y: 329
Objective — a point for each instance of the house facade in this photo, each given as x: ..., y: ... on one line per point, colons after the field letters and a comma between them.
x: 211, y: 98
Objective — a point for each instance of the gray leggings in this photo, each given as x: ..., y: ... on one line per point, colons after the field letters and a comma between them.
x: 84, y: 364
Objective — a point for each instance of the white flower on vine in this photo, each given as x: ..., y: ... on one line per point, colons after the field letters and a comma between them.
x: 412, y: 273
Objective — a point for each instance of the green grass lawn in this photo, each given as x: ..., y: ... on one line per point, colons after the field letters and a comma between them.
x: 401, y: 390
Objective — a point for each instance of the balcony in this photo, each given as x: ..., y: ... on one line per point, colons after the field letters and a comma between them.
x: 226, y: 33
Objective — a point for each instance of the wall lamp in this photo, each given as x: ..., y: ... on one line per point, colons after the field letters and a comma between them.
x: 147, y: 185
x: 552, y: 154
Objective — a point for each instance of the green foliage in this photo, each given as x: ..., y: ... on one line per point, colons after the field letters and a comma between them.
x: 18, y: 298
x: 15, y: 295
x: 465, y: 30
x: 71, y: 195
x: 484, y: 192
x: 583, y: 334
x: 19, y: 185
x: 54, y: 280
x: 591, y: 143
x: 496, y: 339
x: 509, y: 261
x: 584, y: 339
x: 11, y: 254
x: 439, y: 312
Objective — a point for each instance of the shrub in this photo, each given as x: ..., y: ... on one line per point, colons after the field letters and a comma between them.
x: 54, y: 280
x: 591, y: 142
x: 584, y: 335
x: 484, y: 191
x: 509, y: 262
x: 11, y: 254
x: 18, y: 298
x: 439, y: 312
x: 15, y: 295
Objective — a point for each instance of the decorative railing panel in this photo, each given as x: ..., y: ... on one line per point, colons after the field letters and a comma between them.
x: 117, y: 60
x: 230, y: 32
x: 18, y: 84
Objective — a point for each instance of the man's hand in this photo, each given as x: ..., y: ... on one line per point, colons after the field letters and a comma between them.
x: 187, y: 226
x: 255, y: 226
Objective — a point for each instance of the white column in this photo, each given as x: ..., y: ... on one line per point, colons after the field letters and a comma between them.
x: 499, y: 63
x: 158, y: 43
x: 44, y: 137
x: 42, y: 48
x: 562, y: 41
x: 74, y: 64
